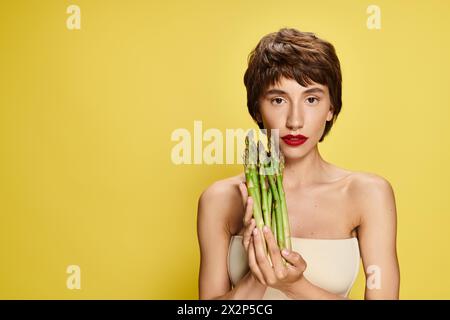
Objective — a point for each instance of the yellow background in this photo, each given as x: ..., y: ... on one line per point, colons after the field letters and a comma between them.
x: 86, y: 116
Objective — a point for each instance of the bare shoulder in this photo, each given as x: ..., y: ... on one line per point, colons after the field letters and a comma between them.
x: 364, y: 184
x: 221, y: 201
x: 220, y: 188
x: 361, y: 180
x: 373, y: 193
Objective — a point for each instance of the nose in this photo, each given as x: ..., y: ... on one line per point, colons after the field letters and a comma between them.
x: 294, y: 119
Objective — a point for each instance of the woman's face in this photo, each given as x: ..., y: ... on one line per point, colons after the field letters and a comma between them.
x: 294, y: 109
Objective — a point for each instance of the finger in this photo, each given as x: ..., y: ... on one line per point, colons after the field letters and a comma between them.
x: 261, y: 257
x: 248, y: 234
x: 274, y: 252
x: 244, y: 192
x: 248, y: 211
x: 253, y: 264
x: 295, y: 259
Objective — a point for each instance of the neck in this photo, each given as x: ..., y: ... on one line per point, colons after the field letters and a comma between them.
x: 305, y: 171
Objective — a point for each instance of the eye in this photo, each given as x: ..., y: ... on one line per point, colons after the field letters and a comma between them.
x: 278, y: 100
x: 312, y: 98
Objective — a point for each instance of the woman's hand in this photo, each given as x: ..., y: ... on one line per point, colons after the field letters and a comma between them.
x: 278, y: 276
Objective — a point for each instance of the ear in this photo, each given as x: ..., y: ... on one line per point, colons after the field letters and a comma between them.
x: 330, y: 113
x: 258, y: 117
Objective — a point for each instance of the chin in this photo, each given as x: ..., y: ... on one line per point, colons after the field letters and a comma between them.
x: 291, y: 153
x: 294, y: 152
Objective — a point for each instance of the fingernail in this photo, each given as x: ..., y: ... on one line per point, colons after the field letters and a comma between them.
x: 265, y: 229
x: 285, y: 252
x: 255, y: 231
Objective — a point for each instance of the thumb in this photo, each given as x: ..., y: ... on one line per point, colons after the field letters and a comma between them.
x: 244, y: 192
x: 294, y: 258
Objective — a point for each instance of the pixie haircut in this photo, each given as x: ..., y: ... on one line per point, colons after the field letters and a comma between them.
x: 293, y: 54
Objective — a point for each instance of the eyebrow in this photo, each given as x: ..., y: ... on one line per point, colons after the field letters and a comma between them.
x: 310, y: 90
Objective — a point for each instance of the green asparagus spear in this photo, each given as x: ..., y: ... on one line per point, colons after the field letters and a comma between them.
x: 269, y: 203
x: 286, y: 226
x: 277, y: 211
x: 274, y: 223
x: 262, y: 183
x: 252, y: 180
x: 253, y: 189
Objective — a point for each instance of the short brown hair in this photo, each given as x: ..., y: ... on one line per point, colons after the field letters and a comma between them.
x: 297, y: 55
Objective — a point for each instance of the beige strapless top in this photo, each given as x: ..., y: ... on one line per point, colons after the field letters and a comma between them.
x: 332, y: 264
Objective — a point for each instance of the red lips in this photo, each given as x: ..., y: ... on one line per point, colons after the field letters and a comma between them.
x: 294, y: 140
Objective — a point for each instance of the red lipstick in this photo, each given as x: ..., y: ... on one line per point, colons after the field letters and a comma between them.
x: 294, y: 140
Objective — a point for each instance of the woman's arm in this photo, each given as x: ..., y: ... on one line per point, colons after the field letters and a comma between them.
x: 248, y: 288
x: 377, y: 235
x: 216, y: 204
x: 305, y: 290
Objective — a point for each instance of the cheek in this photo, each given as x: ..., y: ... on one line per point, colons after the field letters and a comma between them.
x: 315, y: 122
x: 314, y: 117
x: 272, y: 118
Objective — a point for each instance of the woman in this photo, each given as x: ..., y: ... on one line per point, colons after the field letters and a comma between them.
x: 337, y: 216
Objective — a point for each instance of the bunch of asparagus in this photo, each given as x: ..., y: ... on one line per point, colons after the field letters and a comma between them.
x: 264, y: 179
